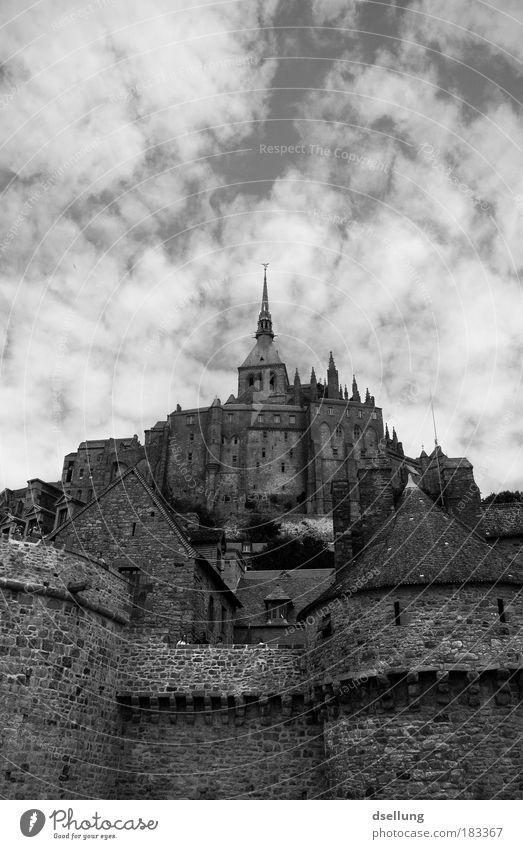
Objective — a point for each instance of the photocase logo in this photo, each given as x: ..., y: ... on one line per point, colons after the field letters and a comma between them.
x: 32, y: 822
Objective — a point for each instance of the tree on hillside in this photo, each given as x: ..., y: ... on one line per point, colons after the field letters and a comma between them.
x: 291, y: 552
x: 505, y: 497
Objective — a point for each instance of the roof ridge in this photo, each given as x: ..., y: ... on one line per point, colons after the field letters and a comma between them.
x: 94, y: 498
x: 163, y: 508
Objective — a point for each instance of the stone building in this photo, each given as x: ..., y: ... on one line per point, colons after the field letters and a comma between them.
x: 142, y: 657
x: 274, y: 445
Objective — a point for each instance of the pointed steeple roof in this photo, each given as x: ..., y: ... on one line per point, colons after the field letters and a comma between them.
x: 264, y: 352
x: 265, y: 319
x: 424, y: 545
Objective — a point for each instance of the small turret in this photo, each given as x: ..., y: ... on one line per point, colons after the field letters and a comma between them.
x: 355, y: 394
x: 346, y: 393
x: 297, y: 389
x: 314, y: 385
x: 367, y: 396
x: 333, y: 382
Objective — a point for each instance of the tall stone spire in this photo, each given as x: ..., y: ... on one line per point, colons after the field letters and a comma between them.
x: 264, y: 319
x: 333, y: 383
x: 355, y: 393
x: 314, y: 385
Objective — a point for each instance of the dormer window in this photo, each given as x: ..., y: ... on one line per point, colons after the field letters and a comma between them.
x: 277, y: 612
x: 277, y: 605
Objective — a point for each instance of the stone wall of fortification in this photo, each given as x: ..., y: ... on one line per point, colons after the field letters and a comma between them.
x: 62, y: 621
x: 442, y: 626
x: 430, y: 735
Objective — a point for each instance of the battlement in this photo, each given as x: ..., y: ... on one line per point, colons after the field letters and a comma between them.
x: 443, y: 691
x: 208, y: 708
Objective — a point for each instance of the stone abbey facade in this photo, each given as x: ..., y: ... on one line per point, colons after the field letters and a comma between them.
x: 141, y: 657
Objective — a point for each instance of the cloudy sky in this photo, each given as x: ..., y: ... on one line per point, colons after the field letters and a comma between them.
x: 153, y: 155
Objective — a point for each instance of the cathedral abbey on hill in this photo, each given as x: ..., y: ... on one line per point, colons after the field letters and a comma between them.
x: 143, y: 657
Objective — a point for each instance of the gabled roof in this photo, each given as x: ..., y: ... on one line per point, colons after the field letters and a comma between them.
x: 301, y: 586
x: 278, y: 594
x: 157, y: 500
x: 164, y: 509
x: 424, y: 545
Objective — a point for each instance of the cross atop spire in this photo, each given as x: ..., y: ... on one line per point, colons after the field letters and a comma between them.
x: 264, y: 319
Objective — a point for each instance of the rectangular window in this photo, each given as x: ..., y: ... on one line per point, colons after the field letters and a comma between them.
x: 285, y: 435
x: 334, y: 452
x: 260, y: 417
x: 360, y: 414
x: 330, y: 411
x: 501, y: 611
x: 191, y: 437
x: 263, y: 452
x: 189, y: 420
x: 189, y: 457
x: 283, y: 467
x: 62, y: 516
x: 257, y: 464
x: 347, y: 413
x: 133, y: 529
x: 81, y: 474
x: 247, y: 547
x: 374, y: 416
x: 397, y: 613
x: 277, y: 419
x: 230, y: 417
x: 69, y: 471
x: 292, y: 419
x: 291, y: 453
x: 234, y: 459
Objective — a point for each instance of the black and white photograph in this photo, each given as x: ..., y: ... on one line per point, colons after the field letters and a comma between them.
x: 261, y: 479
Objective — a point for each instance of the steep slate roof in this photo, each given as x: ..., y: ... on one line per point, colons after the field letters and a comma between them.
x: 166, y: 512
x: 423, y: 545
x: 264, y: 352
x: 302, y: 586
x: 153, y: 495
x: 504, y: 520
